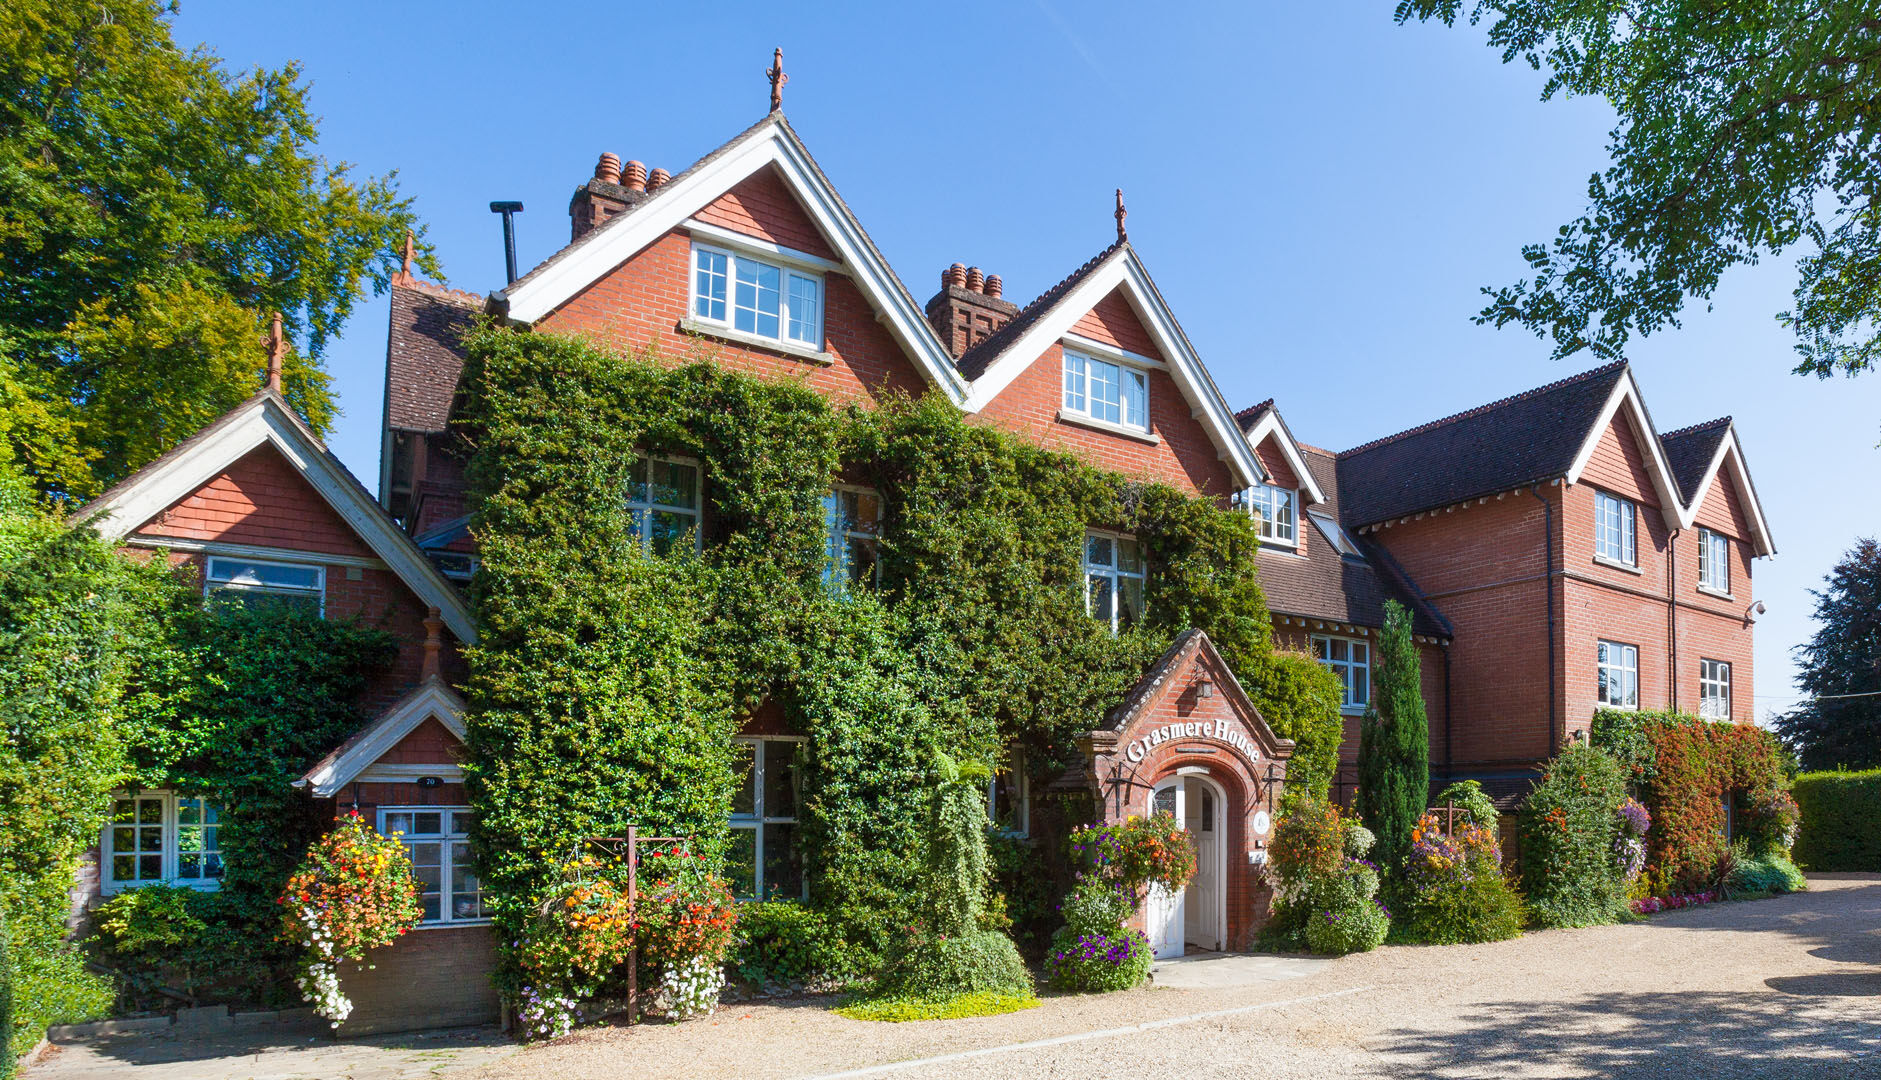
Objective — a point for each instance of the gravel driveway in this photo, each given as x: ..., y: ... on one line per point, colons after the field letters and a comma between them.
x: 1789, y: 987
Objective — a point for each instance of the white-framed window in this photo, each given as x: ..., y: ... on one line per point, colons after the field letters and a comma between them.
x: 159, y: 836
x: 1618, y: 672
x: 438, y: 840
x: 757, y: 297
x: 1009, y: 796
x: 1106, y: 392
x: 1714, y: 689
x: 1113, y: 580
x: 1278, y: 508
x: 1714, y: 560
x: 1351, y: 660
x: 255, y: 581
x: 663, y: 503
x: 852, y: 524
x: 1613, y: 529
x: 766, y: 857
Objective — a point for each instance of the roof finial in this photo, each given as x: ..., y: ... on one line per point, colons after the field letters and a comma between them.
x: 404, y: 275
x: 277, y: 353
x: 1122, y: 233
x: 778, y: 79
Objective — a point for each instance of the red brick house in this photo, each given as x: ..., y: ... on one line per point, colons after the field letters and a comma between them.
x: 1555, y: 550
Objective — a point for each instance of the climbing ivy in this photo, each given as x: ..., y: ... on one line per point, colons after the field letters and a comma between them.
x: 607, y: 682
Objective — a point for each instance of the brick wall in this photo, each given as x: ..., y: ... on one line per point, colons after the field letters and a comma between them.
x: 1483, y: 567
x: 426, y: 979
x: 761, y: 205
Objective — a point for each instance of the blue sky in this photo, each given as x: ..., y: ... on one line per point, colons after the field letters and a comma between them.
x: 1319, y: 192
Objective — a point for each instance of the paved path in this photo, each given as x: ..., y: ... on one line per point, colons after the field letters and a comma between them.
x: 1789, y: 987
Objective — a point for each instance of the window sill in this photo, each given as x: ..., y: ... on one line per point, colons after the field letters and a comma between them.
x: 112, y: 888
x: 1631, y: 568
x: 452, y: 925
x: 1286, y: 550
x: 739, y: 337
x: 1352, y: 710
x: 1082, y: 420
x: 1719, y: 593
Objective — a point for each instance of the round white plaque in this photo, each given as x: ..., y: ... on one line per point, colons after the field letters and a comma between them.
x: 1261, y: 822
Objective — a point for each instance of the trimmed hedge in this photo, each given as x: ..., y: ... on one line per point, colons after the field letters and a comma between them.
x: 1841, y: 828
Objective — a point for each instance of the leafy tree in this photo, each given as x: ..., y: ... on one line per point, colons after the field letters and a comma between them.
x: 1394, y: 741
x: 1746, y: 127
x: 1830, y: 731
x: 156, y: 209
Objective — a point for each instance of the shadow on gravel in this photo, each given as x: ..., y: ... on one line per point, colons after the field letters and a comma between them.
x: 1629, y: 1035
x: 181, y: 1044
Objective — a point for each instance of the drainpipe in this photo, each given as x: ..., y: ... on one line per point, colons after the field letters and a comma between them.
x: 1547, y: 580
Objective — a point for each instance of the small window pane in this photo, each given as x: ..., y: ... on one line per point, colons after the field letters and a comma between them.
x: 1129, y: 602
x: 675, y: 484
x: 1074, y: 382
x: 149, y: 868
x: 1164, y: 802
x: 741, y: 863
x: 1097, y: 551
x: 1101, y: 598
x: 670, y: 531
x: 1129, y: 560
x: 1135, y: 399
x: 783, y: 866
x: 710, y: 302
x: 744, y: 776
x: 805, y: 301
x: 780, y: 779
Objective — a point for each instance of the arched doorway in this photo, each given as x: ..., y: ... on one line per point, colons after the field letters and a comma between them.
x: 1198, y: 914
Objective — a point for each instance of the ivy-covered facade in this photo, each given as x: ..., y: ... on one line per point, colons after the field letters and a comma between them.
x: 703, y: 526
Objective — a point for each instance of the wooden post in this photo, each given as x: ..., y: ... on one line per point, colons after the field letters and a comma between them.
x: 633, y: 953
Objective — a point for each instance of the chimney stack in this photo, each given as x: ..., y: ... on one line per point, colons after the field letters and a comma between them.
x: 613, y: 189
x: 969, y: 308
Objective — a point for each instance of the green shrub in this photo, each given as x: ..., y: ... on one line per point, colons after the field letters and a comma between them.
x: 939, y: 968
x: 1469, y: 797
x: 1325, y: 895
x: 1453, y: 891
x: 1093, y: 952
x: 1299, y: 697
x: 783, y: 943
x: 1569, y: 824
x: 52, y: 986
x: 1841, y: 827
x: 8, y: 1059
x: 1764, y: 874
x: 1359, y: 927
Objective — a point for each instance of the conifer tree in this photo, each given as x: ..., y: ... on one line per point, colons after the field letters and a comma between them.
x: 1394, y: 741
x: 1839, y: 726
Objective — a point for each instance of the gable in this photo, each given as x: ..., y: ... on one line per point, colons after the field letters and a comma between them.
x: 762, y: 206
x: 1721, y: 509
x: 266, y: 421
x: 769, y: 144
x: 1170, y: 703
x: 425, y: 722
x: 430, y: 743
x: 1619, y: 465
x: 1273, y: 459
x: 260, y: 500
x: 1112, y: 322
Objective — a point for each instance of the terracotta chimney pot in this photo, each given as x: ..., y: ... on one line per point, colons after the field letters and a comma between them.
x: 976, y: 281
x: 634, y: 176
x: 956, y: 276
x: 607, y: 169
x: 994, y: 287
x: 657, y: 179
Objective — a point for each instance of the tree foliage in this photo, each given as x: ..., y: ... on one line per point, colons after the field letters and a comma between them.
x: 74, y: 617
x: 1746, y: 128
x: 1831, y: 731
x: 1394, y: 741
x: 157, y: 208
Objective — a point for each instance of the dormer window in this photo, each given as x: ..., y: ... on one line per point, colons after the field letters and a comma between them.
x: 757, y: 297
x: 1105, y: 392
x: 1279, y: 521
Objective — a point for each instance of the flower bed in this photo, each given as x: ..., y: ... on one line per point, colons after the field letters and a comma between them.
x: 1652, y: 905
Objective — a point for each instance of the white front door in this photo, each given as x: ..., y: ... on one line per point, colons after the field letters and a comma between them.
x: 1203, y: 901
x: 1163, y: 910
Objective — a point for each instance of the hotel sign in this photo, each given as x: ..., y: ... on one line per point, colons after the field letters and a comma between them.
x: 1221, y: 731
